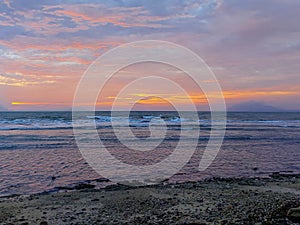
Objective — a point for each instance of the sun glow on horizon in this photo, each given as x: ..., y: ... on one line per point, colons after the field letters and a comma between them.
x: 152, y: 100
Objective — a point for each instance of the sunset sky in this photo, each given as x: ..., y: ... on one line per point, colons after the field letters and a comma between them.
x: 253, y: 47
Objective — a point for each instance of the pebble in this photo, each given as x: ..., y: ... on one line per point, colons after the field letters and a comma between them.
x: 44, y: 223
x: 294, y: 214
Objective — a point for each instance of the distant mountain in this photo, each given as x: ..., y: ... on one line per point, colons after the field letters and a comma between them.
x: 253, y: 107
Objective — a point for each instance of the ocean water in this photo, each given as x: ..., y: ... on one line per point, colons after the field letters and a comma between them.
x: 38, y: 151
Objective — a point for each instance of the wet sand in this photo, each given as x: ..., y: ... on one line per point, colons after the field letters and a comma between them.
x: 215, y: 201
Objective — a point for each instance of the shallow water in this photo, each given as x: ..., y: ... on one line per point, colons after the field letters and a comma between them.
x: 38, y: 150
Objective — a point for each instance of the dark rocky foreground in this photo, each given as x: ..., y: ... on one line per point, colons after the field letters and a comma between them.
x: 216, y: 201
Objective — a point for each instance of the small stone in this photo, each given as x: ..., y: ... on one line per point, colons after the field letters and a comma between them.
x: 84, y: 186
x: 44, y: 223
x: 200, y: 200
x: 294, y: 214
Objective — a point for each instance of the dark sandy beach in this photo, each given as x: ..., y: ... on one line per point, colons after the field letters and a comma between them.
x: 216, y: 201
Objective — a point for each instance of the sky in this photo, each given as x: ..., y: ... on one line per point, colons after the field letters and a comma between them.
x: 252, y: 46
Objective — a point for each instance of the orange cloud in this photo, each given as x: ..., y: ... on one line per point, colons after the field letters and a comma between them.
x: 239, y: 94
x: 20, y: 80
x: 79, y: 17
x: 21, y: 43
x: 37, y: 103
x: 131, y: 17
x: 28, y: 51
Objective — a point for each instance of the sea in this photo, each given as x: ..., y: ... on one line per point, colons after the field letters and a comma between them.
x: 39, y: 153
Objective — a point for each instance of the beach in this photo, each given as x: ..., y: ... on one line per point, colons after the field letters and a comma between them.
x: 253, y: 180
x: 213, y: 201
x: 149, y: 112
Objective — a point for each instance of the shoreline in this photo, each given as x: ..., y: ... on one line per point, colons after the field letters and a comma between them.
x: 211, y: 201
x: 102, y: 183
